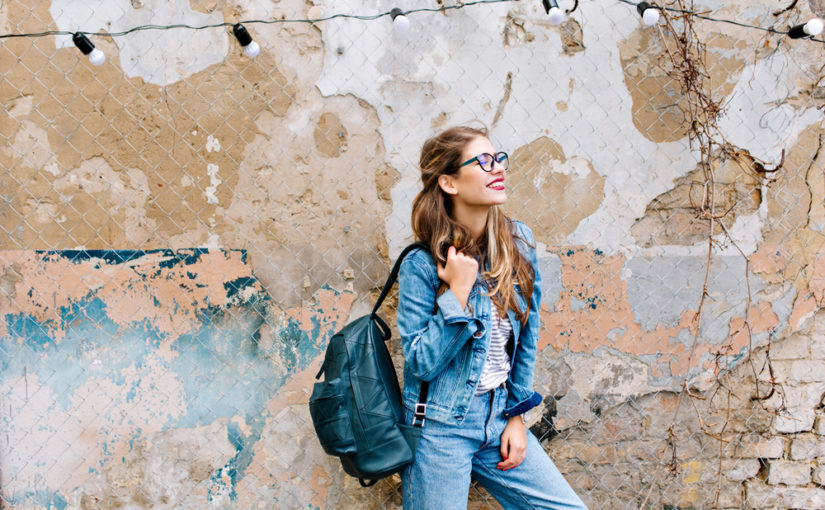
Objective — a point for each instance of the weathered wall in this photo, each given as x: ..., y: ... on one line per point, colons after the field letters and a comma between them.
x: 185, y: 227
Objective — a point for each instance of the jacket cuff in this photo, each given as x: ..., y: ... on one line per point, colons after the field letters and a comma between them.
x: 523, y: 406
x: 450, y: 308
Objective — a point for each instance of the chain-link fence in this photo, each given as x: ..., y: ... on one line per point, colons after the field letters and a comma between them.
x: 184, y: 227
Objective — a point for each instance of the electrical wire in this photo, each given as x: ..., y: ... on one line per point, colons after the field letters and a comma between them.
x: 720, y: 20
x: 371, y: 17
x: 368, y: 17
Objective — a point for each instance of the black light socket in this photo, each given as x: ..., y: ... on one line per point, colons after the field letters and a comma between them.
x: 641, y: 7
x: 395, y: 12
x: 798, y: 32
x: 241, y: 34
x: 83, y: 43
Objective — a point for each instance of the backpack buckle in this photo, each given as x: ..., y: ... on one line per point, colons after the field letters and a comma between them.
x: 419, y: 414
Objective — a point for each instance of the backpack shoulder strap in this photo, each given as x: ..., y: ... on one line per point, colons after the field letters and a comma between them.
x: 394, y: 274
x: 421, y: 407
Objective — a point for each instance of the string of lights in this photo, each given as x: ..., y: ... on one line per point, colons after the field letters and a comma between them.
x: 362, y: 17
x: 793, y: 32
x: 807, y: 31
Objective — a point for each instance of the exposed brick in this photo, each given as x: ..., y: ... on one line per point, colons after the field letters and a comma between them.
x: 741, y: 469
x: 818, y: 347
x: 819, y: 424
x: 757, y: 447
x: 816, y: 331
x: 580, y: 480
x: 794, y: 420
x: 800, y: 401
x: 748, y: 420
x: 583, y: 451
x: 789, y: 473
x: 819, y: 475
x: 807, y: 446
x: 730, y: 496
x: 799, y: 371
x: 795, y: 347
x: 619, y: 428
x: 759, y: 495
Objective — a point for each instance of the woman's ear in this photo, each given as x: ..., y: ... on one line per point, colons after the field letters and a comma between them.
x: 447, y: 184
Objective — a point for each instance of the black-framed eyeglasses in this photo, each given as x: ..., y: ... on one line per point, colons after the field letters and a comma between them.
x: 486, y: 161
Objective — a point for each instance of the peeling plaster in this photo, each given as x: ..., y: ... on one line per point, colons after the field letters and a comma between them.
x: 757, y: 116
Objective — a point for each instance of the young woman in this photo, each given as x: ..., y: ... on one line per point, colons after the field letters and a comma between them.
x: 468, y: 315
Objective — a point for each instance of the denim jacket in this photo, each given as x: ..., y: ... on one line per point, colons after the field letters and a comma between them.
x: 447, y: 345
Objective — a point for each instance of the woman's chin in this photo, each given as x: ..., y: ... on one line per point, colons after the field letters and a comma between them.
x: 500, y: 197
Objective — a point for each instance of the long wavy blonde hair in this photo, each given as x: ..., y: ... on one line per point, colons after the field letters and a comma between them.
x: 433, y: 224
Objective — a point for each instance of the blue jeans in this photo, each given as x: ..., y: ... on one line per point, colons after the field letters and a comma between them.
x: 448, y: 455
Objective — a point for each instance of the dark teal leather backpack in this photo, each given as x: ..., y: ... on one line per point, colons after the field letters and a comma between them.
x: 356, y: 409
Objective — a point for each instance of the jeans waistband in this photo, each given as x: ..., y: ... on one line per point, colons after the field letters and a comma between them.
x: 492, y: 392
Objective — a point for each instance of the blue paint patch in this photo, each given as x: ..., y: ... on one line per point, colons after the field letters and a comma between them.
x: 92, y: 346
x: 235, y: 286
x: 224, y: 373
x: 34, y: 333
x: 598, y: 252
x: 182, y: 257
x: 80, y: 256
x: 130, y: 395
x: 134, y: 437
x: 113, y: 257
x: 244, y: 448
x: 591, y: 301
x: 45, y: 499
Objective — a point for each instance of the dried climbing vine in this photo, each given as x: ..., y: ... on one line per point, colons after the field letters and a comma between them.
x: 684, y: 61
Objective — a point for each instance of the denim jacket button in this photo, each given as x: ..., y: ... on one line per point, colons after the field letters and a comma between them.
x: 478, y: 334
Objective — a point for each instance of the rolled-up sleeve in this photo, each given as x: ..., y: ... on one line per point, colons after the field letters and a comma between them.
x: 431, y: 335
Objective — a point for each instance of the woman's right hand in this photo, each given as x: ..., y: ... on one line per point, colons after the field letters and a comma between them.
x: 459, y: 274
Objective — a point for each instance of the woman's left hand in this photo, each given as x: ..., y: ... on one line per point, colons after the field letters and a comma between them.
x: 513, y: 444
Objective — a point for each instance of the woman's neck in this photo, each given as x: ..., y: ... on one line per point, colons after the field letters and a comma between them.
x: 473, y: 219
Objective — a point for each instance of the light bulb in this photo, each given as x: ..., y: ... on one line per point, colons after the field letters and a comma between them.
x: 649, y: 13
x: 252, y: 49
x: 97, y: 57
x: 249, y: 46
x: 555, y: 16
x: 400, y: 22
x: 810, y: 29
x: 813, y: 27
x: 650, y: 17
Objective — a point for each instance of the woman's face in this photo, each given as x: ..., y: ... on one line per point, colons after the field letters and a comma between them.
x: 471, y: 186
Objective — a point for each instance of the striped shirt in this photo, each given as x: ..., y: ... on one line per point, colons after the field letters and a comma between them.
x: 497, y: 366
